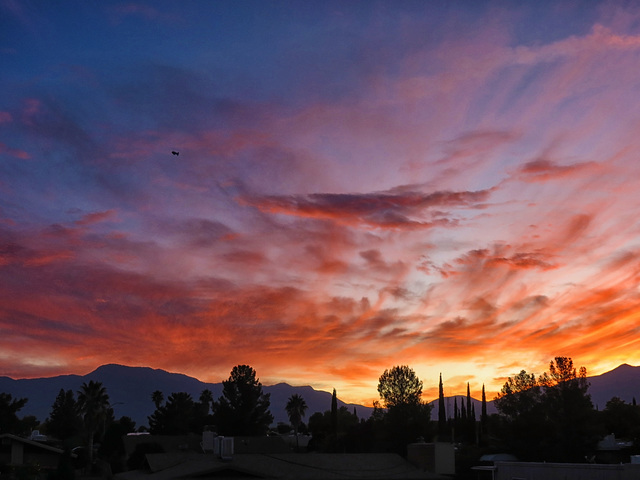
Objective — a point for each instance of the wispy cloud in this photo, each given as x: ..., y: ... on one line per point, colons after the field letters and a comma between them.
x: 387, y: 210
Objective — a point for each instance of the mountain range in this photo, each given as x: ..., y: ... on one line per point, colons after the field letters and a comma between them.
x: 130, y: 390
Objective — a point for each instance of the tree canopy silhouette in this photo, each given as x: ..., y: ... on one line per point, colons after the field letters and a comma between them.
x: 399, y: 386
x: 407, y: 418
x: 64, y: 420
x: 9, y: 407
x: 550, y: 417
x: 243, y: 409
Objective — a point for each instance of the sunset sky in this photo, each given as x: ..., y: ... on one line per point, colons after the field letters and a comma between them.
x: 454, y: 186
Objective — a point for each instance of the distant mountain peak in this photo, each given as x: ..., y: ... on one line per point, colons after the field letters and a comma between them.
x: 117, y: 366
x: 624, y: 366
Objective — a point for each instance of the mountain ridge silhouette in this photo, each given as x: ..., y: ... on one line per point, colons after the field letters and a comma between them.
x: 130, y: 390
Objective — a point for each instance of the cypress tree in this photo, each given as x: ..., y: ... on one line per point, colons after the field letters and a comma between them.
x: 483, y: 415
x: 468, y: 401
x: 334, y: 413
x: 442, y: 414
x: 456, y: 412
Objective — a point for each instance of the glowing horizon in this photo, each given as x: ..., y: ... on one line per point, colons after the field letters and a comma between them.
x: 449, y: 186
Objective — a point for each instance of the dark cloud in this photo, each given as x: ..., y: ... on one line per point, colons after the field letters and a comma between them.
x: 381, y: 210
x: 200, y: 232
x: 517, y: 260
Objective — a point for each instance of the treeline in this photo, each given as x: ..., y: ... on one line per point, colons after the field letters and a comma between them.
x: 542, y: 418
x: 551, y: 418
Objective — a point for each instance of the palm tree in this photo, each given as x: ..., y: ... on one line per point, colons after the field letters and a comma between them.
x: 296, y: 408
x: 206, y: 398
x: 93, y: 402
x: 157, y: 398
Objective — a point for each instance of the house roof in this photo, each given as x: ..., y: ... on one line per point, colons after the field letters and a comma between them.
x: 9, y: 437
x: 310, y: 466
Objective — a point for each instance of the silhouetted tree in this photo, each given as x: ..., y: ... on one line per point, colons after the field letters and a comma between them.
x: 407, y: 417
x: 9, y: 407
x: 622, y: 419
x: 569, y: 410
x: 442, y: 414
x: 112, y: 446
x: 93, y: 402
x: 519, y: 395
x: 65, y: 469
x: 176, y: 417
x: 456, y: 411
x: 157, y: 398
x: 334, y: 414
x: 206, y: 399
x: 64, y: 420
x: 296, y: 408
x: 523, y: 429
x: 399, y: 386
x: 483, y: 414
x: 243, y: 409
x: 204, y: 409
x: 336, y: 431
x: 549, y: 418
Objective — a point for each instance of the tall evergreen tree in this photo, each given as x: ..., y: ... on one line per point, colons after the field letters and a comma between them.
x: 334, y: 414
x: 442, y: 414
x: 64, y: 420
x: 483, y: 415
x: 456, y: 411
x: 176, y: 417
x: 400, y: 386
x: 468, y: 401
x: 407, y: 417
x: 243, y: 408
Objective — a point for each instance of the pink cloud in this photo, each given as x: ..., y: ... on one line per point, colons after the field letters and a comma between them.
x: 96, y: 217
x: 13, y: 152
x: 540, y: 170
